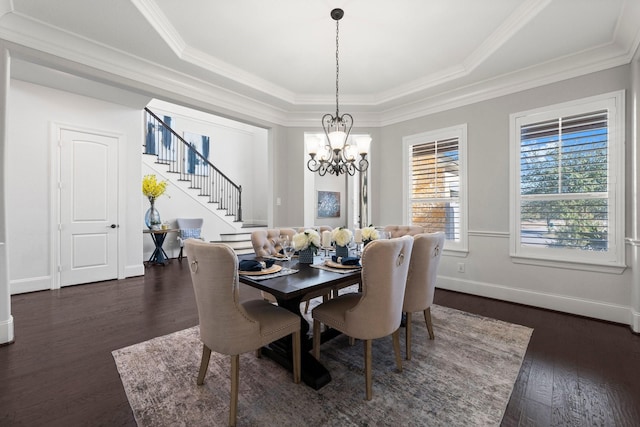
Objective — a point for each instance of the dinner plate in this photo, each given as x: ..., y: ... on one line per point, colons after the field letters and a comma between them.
x: 332, y: 264
x: 273, y: 269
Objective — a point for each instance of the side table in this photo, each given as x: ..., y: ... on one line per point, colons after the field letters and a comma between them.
x: 159, y: 256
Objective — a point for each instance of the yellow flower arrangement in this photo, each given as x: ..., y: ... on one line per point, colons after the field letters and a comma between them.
x: 153, y: 188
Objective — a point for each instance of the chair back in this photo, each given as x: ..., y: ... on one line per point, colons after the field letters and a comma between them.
x: 290, y: 232
x: 385, y: 264
x: 225, y: 326
x: 190, y: 227
x: 403, y: 230
x: 265, y: 242
x: 423, y: 271
x: 318, y: 228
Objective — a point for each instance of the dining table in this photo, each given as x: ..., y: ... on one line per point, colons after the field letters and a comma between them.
x: 289, y: 291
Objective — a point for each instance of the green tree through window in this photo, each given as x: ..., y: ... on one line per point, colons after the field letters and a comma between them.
x: 564, y: 182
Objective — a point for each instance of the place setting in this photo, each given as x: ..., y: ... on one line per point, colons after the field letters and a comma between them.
x: 262, y: 270
x: 342, y: 243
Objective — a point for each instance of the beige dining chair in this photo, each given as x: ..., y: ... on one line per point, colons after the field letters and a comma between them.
x: 421, y: 281
x: 375, y: 312
x: 403, y: 230
x: 228, y: 326
x: 265, y: 241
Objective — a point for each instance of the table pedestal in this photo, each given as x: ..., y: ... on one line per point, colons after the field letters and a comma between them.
x: 313, y: 373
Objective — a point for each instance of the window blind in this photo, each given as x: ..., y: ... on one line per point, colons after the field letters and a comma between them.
x: 435, y: 186
x: 564, y: 182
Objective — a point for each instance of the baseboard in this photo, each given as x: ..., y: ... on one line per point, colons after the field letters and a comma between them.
x: 134, y: 270
x: 32, y: 284
x: 6, y: 331
x: 635, y: 321
x: 582, y: 307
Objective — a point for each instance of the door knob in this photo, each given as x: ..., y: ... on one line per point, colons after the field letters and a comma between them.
x: 112, y: 226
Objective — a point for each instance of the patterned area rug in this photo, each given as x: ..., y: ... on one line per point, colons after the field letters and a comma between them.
x: 463, y: 377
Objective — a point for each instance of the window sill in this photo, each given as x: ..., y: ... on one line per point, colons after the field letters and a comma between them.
x: 571, y: 265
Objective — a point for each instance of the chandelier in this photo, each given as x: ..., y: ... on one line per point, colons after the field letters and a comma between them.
x: 336, y: 154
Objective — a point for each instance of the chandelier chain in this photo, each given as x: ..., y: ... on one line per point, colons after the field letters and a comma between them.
x: 337, y: 66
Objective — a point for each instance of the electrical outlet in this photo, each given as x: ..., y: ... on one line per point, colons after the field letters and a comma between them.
x: 278, y: 201
x: 461, y: 267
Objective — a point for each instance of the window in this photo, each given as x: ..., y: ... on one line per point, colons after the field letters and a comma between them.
x: 435, y: 189
x: 568, y: 182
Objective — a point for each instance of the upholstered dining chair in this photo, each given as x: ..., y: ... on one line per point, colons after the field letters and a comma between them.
x: 375, y: 312
x: 403, y: 230
x: 228, y: 326
x: 190, y: 228
x: 265, y: 242
x: 421, y: 281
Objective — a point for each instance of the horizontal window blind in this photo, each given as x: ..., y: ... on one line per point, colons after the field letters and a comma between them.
x: 435, y: 186
x: 564, y: 185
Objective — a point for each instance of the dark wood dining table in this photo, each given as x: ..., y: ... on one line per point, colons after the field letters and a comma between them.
x: 289, y: 292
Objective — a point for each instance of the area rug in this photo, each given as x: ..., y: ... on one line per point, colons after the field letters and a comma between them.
x: 463, y: 377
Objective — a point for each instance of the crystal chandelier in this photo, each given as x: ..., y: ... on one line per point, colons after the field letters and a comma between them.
x: 336, y: 154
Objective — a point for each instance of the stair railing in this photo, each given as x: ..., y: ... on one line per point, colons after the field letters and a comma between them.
x: 185, y: 159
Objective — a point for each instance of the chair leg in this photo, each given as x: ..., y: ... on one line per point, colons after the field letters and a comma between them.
x: 204, y: 364
x: 180, y: 254
x: 316, y: 339
x: 396, y: 348
x: 407, y: 341
x: 259, y: 353
x: 367, y: 369
x: 306, y: 307
x: 295, y: 342
x: 352, y: 341
x: 427, y: 319
x: 235, y: 378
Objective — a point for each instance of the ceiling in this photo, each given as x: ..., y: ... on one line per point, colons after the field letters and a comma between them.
x: 397, y: 59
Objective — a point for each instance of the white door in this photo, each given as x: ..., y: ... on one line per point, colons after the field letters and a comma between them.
x: 88, y: 207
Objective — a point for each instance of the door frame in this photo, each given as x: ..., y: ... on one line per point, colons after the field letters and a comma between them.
x: 54, y: 196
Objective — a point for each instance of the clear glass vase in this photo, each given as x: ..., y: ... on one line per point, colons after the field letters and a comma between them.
x: 152, y: 216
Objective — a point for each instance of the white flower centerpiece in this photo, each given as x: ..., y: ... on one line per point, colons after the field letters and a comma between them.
x: 369, y: 234
x: 307, y: 244
x: 342, y: 236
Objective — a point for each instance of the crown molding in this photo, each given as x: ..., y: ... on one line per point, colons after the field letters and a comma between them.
x: 266, y: 104
x: 6, y: 6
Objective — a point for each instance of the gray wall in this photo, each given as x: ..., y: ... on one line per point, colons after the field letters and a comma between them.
x: 489, y: 269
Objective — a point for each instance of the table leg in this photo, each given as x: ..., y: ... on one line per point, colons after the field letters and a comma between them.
x: 314, y: 374
x: 159, y: 256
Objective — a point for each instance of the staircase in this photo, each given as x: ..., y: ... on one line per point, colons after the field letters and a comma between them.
x: 240, y: 242
x: 192, y: 166
x: 195, y: 174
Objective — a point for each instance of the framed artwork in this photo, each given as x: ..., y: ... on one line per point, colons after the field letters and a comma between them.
x: 197, y: 155
x: 328, y: 204
x: 159, y: 140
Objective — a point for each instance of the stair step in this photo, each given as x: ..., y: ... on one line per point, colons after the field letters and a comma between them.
x: 248, y: 225
x: 244, y: 251
x: 239, y: 244
x: 235, y: 237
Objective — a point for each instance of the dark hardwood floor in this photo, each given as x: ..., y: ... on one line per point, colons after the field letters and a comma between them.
x: 60, y: 372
